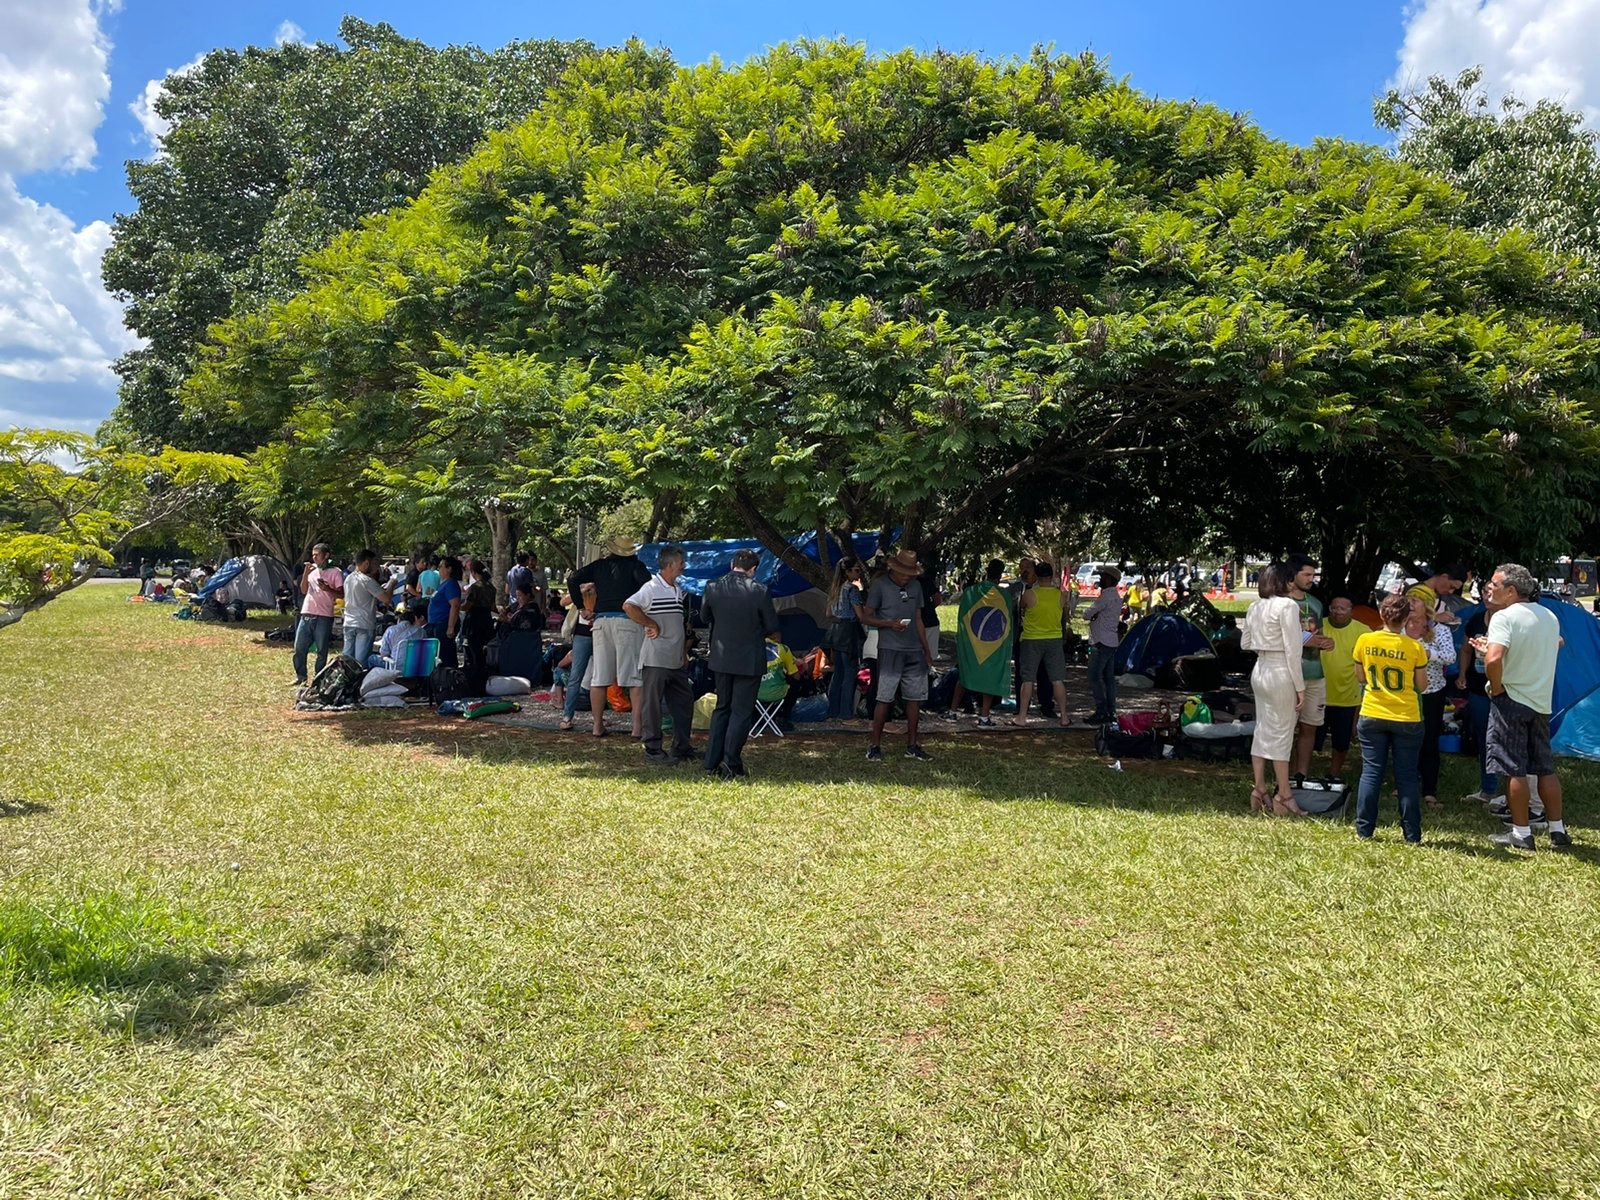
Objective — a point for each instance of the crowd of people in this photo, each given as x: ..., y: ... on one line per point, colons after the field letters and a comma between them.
x: 1319, y: 672
x: 1320, y: 677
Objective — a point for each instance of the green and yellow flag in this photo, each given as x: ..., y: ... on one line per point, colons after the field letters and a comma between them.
x: 983, y: 639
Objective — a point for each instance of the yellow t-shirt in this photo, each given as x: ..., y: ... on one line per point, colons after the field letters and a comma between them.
x: 1342, y: 690
x: 780, y: 656
x: 1388, y: 662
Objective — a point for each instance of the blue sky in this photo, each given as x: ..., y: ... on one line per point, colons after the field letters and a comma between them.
x: 73, y: 71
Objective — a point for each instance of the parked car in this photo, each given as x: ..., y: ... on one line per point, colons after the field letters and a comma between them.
x: 181, y: 568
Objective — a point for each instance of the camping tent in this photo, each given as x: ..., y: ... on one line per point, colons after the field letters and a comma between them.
x: 1155, y: 641
x: 1575, y: 715
x: 802, y: 609
x: 254, y: 579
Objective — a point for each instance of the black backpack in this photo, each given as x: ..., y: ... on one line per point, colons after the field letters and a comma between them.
x: 337, y: 684
x: 448, y: 683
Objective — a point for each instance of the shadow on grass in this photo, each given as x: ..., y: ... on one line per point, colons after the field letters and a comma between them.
x: 1047, y: 764
x: 150, y: 970
x: 369, y: 951
x: 22, y: 808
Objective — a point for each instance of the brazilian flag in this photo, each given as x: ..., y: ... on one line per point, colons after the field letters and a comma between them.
x: 983, y: 639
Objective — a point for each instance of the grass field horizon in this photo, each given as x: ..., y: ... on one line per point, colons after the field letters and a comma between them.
x: 246, y: 952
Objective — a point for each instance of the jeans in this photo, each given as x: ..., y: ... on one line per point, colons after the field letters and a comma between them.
x: 357, y: 642
x: 1478, y: 714
x: 1432, y: 726
x: 731, y: 721
x: 582, y: 649
x: 1103, y: 679
x: 1378, y: 738
x: 309, y: 631
x: 842, y: 685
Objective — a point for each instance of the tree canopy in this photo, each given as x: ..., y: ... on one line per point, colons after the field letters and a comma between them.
x: 72, y: 503
x: 830, y: 289
x: 271, y: 152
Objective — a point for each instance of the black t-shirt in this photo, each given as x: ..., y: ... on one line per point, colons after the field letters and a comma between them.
x: 1477, y: 681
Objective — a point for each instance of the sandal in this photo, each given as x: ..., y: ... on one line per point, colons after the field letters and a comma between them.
x: 1258, y: 799
x: 566, y: 723
x: 1433, y: 802
x: 602, y: 733
x: 1285, y: 806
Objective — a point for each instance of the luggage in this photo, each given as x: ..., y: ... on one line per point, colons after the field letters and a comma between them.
x: 338, y: 684
x: 447, y: 683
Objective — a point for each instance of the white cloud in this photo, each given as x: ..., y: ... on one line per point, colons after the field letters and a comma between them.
x: 53, y: 84
x: 288, y: 32
x: 1538, y: 49
x: 143, y: 109
x: 59, y: 329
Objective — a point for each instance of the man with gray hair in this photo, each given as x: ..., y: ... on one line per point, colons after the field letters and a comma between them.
x: 1519, y: 658
x: 663, y: 609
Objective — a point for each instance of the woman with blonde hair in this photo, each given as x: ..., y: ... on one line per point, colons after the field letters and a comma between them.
x: 1272, y: 629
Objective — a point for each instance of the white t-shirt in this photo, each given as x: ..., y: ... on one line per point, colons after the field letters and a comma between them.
x: 361, y: 594
x: 1531, y: 635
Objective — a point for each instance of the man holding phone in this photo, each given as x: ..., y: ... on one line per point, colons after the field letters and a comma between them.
x: 894, y: 609
x: 321, y: 584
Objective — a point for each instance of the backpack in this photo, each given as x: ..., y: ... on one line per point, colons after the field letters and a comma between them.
x: 337, y: 684
x: 447, y: 683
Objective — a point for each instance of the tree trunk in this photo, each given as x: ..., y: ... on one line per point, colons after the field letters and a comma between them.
x: 502, y: 532
x: 770, y: 536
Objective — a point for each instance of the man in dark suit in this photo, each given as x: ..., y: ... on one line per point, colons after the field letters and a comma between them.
x: 740, y: 614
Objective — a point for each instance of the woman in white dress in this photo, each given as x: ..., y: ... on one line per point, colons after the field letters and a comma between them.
x: 1272, y: 630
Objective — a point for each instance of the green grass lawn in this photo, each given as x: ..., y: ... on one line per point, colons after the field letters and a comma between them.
x: 249, y: 953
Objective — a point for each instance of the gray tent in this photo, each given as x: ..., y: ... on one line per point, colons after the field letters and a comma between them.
x: 254, y: 579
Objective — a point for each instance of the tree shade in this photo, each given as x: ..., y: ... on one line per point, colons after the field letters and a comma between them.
x: 835, y: 290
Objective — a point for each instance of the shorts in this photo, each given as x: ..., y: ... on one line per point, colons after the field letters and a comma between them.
x: 1518, y: 740
x: 1315, y: 709
x: 617, y: 642
x: 905, y: 670
x: 1340, y: 726
x: 1049, y: 651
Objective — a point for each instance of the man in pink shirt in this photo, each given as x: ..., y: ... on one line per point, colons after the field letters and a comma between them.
x: 320, y: 584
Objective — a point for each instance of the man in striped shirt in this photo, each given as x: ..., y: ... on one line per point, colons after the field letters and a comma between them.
x: 662, y: 608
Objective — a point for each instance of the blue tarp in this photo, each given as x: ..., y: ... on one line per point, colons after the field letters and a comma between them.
x: 704, y: 561
x: 1575, y: 708
x: 1156, y: 640
x: 226, y: 574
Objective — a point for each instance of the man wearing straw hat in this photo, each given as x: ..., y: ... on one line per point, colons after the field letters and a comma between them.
x: 617, y: 639
x: 894, y: 609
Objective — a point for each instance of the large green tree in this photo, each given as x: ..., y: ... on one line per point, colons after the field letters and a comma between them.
x: 827, y: 289
x: 271, y: 152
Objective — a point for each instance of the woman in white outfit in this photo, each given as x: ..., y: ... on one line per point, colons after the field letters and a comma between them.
x: 1272, y: 630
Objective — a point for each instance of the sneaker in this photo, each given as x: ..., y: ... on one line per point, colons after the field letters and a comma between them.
x: 1477, y: 798
x: 1560, y: 839
x: 1510, y: 839
x: 1498, y: 804
x: 658, y: 758
x: 987, y: 723
x: 918, y: 753
x: 874, y: 754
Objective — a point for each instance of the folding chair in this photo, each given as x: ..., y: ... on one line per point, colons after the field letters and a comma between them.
x: 416, y: 661
x: 769, y: 700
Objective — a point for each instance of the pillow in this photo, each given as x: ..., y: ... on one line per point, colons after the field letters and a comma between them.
x: 376, y: 678
x: 385, y: 701
x: 388, y: 689
x: 507, y: 685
